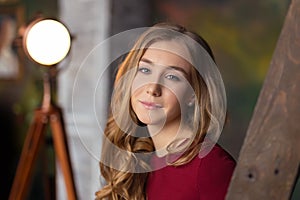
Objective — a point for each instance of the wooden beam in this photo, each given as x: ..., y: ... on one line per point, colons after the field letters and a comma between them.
x: 269, y: 159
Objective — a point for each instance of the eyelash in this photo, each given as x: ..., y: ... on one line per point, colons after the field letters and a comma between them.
x: 144, y: 70
x: 171, y: 77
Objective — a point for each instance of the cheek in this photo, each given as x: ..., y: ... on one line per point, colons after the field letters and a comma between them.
x: 137, y: 84
x: 135, y: 88
x: 170, y: 97
x: 177, y: 94
x: 135, y: 93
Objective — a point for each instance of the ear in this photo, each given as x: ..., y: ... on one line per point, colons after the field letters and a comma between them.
x: 191, y: 101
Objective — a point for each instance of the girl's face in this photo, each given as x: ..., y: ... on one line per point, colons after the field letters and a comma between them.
x: 161, y: 88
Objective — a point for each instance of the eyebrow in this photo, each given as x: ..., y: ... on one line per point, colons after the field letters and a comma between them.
x: 168, y: 67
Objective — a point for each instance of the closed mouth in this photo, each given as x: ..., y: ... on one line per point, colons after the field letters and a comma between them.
x: 150, y: 105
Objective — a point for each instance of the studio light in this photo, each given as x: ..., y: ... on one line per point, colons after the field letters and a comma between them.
x: 47, y: 41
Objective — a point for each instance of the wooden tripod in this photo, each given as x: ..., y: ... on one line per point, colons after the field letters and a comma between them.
x: 48, y: 113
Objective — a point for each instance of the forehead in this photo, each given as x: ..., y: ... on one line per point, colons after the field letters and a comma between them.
x: 168, y: 53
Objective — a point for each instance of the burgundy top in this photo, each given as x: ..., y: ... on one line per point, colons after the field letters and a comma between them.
x: 205, y: 178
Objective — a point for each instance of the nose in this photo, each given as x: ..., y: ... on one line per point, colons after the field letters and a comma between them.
x: 154, y: 89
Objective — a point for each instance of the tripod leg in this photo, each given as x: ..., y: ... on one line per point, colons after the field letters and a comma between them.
x: 28, y: 156
x: 48, y: 179
x: 61, y: 149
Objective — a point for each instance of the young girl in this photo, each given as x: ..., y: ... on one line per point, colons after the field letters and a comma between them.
x: 168, y: 109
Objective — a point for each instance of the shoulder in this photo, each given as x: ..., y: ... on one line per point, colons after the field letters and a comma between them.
x: 215, y: 171
x: 218, y: 155
x: 218, y: 160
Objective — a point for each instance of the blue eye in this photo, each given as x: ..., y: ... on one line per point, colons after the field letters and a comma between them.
x: 144, y: 70
x: 172, y: 77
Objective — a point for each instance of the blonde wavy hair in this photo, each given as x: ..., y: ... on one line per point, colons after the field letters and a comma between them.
x: 128, y: 180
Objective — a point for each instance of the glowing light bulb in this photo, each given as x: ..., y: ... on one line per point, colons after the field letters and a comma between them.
x: 47, y: 42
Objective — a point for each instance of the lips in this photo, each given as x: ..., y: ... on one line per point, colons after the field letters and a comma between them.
x: 150, y: 105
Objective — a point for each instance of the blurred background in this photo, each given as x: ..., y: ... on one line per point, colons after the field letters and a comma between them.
x: 242, y: 34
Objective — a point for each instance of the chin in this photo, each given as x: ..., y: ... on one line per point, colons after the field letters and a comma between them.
x: 144, y: 120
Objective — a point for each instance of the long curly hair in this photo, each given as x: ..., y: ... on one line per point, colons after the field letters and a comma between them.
x: 124, y: 171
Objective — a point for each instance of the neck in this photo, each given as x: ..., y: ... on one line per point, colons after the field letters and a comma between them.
x: 163, y: 134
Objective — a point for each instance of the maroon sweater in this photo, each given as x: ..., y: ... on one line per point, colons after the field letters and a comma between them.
x: 205, y: 178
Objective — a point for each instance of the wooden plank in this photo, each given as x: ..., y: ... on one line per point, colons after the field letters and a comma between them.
x: 269, y: 159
